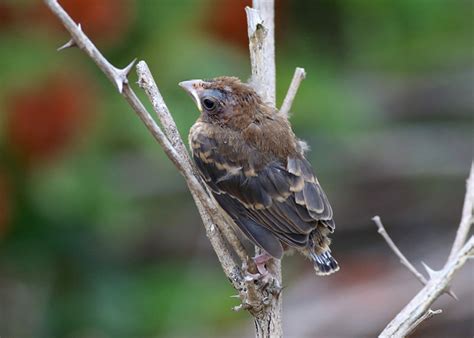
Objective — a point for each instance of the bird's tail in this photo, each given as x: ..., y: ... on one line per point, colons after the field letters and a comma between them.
x: 324, y: 263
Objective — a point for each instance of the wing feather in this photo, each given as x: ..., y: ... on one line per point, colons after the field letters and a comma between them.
x: 280, y: 201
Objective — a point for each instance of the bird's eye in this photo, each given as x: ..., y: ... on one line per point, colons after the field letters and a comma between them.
x: 209, y: 103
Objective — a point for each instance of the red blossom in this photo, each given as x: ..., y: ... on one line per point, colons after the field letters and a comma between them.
x: 44, y: 119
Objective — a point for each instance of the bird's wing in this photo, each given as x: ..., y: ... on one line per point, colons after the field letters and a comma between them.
x: 278, y: 202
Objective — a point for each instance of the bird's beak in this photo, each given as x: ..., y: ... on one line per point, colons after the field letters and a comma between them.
x: 193, y: 87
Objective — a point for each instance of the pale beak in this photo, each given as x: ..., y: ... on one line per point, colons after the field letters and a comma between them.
x: 193, y: 87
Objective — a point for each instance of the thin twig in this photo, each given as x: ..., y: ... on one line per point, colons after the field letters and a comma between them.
x: 298, y: 76
x: 148, y: 84
x: 467, y: 217
x: 393, y: 246
x: 116, y: 75
x: 404, y: 260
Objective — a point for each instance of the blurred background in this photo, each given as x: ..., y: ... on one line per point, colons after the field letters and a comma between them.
x: 99, y: 236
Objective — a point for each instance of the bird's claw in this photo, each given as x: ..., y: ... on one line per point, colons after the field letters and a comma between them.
x: 262, y: 274
x: 266, y: 277
x: 248, y: 276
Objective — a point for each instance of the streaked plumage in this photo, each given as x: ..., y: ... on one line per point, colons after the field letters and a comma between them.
x: 251, y: 160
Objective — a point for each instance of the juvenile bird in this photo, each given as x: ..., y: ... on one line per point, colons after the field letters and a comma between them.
x: 251, y: 160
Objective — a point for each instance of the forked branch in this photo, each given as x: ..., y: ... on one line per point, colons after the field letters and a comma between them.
x: 262, y: 301
x: 418, y: 309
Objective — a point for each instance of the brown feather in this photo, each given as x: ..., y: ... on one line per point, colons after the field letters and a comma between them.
x: 255, y: 166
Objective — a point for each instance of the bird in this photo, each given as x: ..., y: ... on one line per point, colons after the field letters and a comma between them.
x: 250, y: 159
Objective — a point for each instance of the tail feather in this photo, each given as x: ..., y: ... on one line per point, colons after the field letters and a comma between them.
x: 324, y: 263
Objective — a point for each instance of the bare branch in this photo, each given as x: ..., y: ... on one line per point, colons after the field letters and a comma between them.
x: 403, y: 259
x: 392, y: 245
x: 467, y: 217
x: 262, y: 300
x: 261, y: 32
x: 419, y: 307
x: 256, y: 296
x: 117, y: 76
x: 410, y: 316
x: 206, y: 205
x: 299, y: 76
x: 148, y: 84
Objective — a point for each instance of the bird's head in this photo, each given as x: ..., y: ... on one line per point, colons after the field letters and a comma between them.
x: 225, y: 101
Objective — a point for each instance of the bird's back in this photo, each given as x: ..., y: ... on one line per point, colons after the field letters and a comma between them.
x: 255, y: 167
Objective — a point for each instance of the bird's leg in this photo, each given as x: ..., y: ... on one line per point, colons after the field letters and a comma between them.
x: 260, y: 261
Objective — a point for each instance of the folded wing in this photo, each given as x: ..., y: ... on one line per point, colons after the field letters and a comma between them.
x: 271, y: 203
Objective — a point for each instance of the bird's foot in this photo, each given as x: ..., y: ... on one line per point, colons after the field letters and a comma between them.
x: 262, y: 274
x: 249, y: 276
x: 261, y: 261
